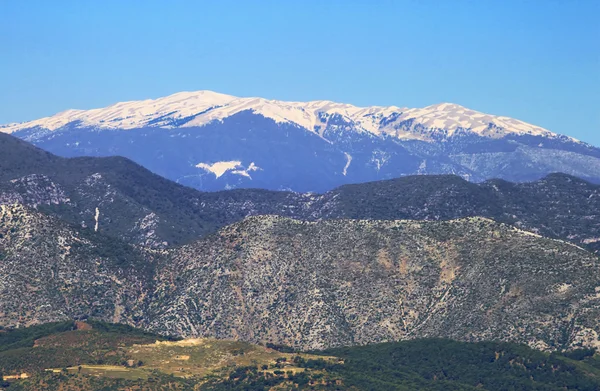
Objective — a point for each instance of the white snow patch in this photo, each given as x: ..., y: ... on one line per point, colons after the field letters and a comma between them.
x: 220, y: 168
x: 96, y: 218
x: 348, y: 161
x: 379, y: 158
x: 235, y: 166
x: 246, y: 172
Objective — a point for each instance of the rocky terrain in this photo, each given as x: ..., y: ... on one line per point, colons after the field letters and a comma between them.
x: 308, y: 284
x: 50, y: 271
x: 347, y: 282
x: 421, y: 256
x: 116, y: 197
x: 557, y: 206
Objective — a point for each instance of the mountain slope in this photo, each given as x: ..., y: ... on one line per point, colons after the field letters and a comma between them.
x: 309, y: 285
x: 346, y: 282
x: 190, y: 109
x: 113, y: 196
x: 557, y: 206
x: 214, y: 141
x: 51, y: 271
x: 434, y: 364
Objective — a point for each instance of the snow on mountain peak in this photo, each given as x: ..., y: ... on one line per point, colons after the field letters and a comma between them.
x: 198, y: 108
x: 451, y: 117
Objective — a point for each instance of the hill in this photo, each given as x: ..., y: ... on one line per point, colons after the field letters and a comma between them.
x: 347, y: 282
x: 115, y: 196
x: 434, y: 364
x: 52, y: 271
x: 96, y: 355
x: 557, y: 206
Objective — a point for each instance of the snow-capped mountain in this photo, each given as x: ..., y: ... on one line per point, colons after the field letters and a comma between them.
x: 214, y: 141
x: 192, y: 109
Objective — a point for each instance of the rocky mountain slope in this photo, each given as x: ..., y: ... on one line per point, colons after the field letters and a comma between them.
x: 347, y: 282
x: 557, y: 206
x: 118, y: 198
x: 308, y: 284
x: 213, y: 141
x: 51, y: 271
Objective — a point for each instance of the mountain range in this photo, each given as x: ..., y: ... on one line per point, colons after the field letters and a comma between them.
x: 214, y: 141
x: 420, y: 256
x: 118, y: 198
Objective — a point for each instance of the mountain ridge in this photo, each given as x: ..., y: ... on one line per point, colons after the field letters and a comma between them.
x: 352, y: 282
x: 197, y: 108
x: 388, y: 260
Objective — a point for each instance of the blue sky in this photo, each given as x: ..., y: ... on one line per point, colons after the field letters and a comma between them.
x: 538, y: 61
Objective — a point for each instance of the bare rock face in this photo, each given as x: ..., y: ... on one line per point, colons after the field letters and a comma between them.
x: 36, y: 190
x: 344, y: 282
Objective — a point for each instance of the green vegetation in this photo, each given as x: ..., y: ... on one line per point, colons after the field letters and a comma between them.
x: 57, y: 345
x: 438, y: 364
x: 557, y: 206
x: 97, y: 355
x: 108, y: 358
x: 124, y: 329
x: 26, y: 336
x: 78, y: 381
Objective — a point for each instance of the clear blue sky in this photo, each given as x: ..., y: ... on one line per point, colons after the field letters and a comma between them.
x: 538, y: 61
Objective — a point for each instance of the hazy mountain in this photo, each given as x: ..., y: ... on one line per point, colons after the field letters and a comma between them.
x: 213, y: 141
x: 117, y: 197
x: 140, y: 207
